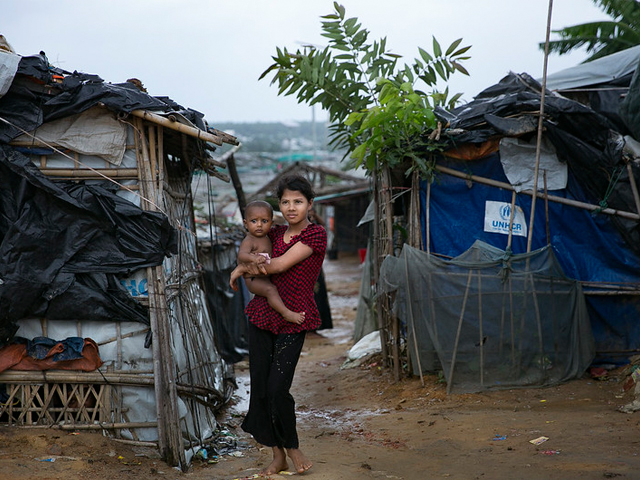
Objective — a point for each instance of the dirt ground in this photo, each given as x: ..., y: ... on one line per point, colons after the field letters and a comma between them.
x: 358, y: 423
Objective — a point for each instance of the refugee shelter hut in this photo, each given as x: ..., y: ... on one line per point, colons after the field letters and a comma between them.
x: 97, y: 248
x: 586, y: 224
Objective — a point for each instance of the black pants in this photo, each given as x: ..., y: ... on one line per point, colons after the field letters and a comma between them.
x: 271, y: 418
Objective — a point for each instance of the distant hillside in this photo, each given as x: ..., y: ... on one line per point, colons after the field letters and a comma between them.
x: 279, y: 137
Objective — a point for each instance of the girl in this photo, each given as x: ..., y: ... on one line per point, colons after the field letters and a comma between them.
x: 274, y: 343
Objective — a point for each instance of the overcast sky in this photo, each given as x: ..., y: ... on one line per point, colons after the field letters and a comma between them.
x: 209, y: 54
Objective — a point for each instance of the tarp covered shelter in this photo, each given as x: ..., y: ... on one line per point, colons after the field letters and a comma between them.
x: 490, y: 319
x: 97, y: 243
x: 587, y: 212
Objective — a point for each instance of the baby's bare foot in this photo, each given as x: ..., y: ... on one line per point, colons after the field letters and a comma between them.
x: 300, y: 462
x: 294, y: 317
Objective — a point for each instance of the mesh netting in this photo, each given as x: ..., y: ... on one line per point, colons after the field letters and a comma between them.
x: 490, y: 319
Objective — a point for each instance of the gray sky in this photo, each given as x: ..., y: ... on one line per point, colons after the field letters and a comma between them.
x: 208, y: 54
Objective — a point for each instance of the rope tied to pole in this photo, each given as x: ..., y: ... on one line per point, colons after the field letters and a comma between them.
x: 603, y: 204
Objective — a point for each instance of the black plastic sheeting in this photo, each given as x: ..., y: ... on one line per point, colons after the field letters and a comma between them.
x: 34, y: 98
x: 65, y: 246
x: 588, y: 141
x: 230, y: 324
x: 630, y: 106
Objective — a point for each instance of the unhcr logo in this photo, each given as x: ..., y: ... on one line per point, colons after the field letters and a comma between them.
x: 505, y: 212
x: 497, y: 217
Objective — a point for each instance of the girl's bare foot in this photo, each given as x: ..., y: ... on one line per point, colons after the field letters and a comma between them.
x: 300, y: 462
x: 278, y: 464
x: 294, y: 317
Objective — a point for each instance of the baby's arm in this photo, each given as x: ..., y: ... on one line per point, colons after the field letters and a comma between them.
x: 247, y: 253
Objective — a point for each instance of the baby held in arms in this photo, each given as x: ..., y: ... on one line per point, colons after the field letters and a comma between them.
x: 256, y: 248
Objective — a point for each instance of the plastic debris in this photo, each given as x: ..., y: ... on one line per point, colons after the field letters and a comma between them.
x: 551, y: 452
x: 202, y: 454
x: 499, y: 437
x: 539, y: 440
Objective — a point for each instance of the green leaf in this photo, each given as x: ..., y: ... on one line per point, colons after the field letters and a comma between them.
x: 461, y: 51
x: 425, y: 56
x: 459, y: 68
x: 452, y: 47
x: 437, y: 51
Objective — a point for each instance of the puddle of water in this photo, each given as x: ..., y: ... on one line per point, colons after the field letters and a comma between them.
x: 336, y: 418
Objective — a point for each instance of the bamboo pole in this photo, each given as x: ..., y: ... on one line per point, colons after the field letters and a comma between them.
x: 160, y: 156
x: 427, y: 220
x: 458, y: 332
x: 546, y: 208
x: 377, y: 310
x: 540, y: 123
x: 634, y: 186
x: 169, y: 434
x: 552, y: 198
x: 388, y: 221
x: 512, y: 216
x: 153, y: 160
x: 19, y: 377
x: 179, y: 127
x: 99, y: 173
x: 237, y: 184
x: 412, y: 320
x: 480, y: 328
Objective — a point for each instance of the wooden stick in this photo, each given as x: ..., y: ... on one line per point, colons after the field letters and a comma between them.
x: 546, y: 206
x: 480, y: 328
x: 455, y: 345
x: 237, y: 184
x: 179, y: 127
x: 428, y: 217
x: 512, y: 216
x: 540, y: 128
x: 634, y: 186
x: 552, y: 198
x: 230, y: 139
x: 152, y: 153
x: 129, y: 173
x: 412, y: 320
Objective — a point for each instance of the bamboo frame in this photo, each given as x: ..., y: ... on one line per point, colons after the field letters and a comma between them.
x: 165, y: 386
x: 90, y: 174
x: 180, y: 127
x: 551, y: 198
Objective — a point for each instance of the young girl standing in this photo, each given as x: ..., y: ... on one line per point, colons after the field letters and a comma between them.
x: 275, y: 344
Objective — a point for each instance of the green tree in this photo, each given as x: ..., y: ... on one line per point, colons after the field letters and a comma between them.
x: 375, y: 111
x: 602, y: 38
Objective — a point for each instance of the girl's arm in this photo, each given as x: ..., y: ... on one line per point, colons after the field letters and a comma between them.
x: 293, y: 256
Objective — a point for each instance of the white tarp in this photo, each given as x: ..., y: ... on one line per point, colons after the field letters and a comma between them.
x: 601, y: 70
x: 93, y: 132
x: 8, y: 68
x: 518, y: 159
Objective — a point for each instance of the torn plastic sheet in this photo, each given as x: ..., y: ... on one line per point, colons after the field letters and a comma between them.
x: 92, y: 132
x: 64, y: 246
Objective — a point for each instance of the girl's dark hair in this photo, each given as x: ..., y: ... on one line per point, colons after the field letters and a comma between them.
x: 296, y: 183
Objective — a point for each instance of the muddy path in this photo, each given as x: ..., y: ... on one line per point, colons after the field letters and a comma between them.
x: 358, y: 423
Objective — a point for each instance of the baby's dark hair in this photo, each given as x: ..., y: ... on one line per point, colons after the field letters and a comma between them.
x: 296, y: 183
x: 258, y: 204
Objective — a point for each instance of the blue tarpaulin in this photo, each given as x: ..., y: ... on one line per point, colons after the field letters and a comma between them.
x: 588, y: 246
